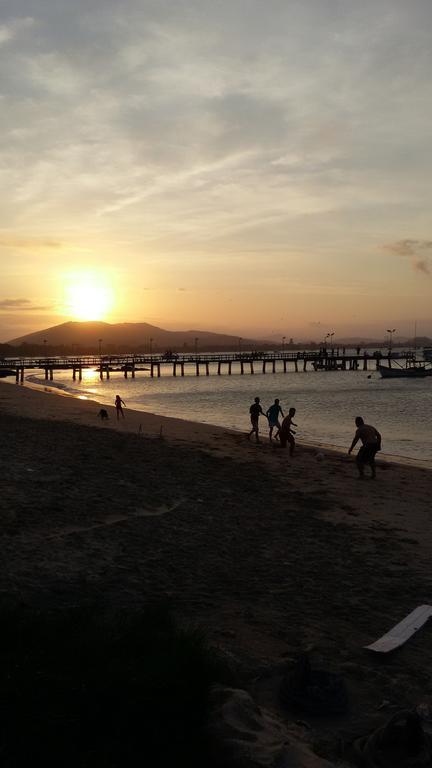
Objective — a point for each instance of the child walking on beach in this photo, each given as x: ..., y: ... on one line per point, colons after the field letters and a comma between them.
x: 118, y: 406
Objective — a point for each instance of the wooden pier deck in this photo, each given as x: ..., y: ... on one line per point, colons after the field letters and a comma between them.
x: 218, y: 364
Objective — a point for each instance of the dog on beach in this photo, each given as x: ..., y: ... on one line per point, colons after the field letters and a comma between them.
x: 103, y: 414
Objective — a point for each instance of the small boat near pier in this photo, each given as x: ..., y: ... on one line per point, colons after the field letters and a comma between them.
x: 414, y: 369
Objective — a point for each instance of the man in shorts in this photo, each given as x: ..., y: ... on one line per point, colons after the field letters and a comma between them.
x: 273, y: 418
x: 255, y: 412
x: 371, y: 444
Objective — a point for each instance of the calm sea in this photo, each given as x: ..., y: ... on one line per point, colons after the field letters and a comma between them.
x: 326, y: 402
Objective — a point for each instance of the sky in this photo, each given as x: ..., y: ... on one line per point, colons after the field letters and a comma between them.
x: 246, y: 166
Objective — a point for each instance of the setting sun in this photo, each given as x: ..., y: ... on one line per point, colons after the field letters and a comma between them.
x: 88, y: 297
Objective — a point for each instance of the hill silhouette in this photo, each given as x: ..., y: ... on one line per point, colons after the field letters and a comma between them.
x: 130, y: 336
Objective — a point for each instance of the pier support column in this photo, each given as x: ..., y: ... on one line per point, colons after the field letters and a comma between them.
x: 46, y: 374
x: 133, y: 371
x: 74, y: 374
x: 264, y: 366
x: 251, y: 367
x: 17, y: 375
x: 100, y: 373
x: 107, y: 371
x: 241, y: 367
x: 51, y: 374
x: 125, y: 372
x: 285, y: 366
x: 296, y: 365
x: 365, y: 362
x: 158, y: 370
x: 182, y: 369
x: 197, y: 370
x: 229, y: 368
x: 219, y: 368
x: 151, y: 370
x: 207, y: 369
x: 22, y: 375
x: 274, y: 366
x: 80, y: 373
x: 304, y: 364
x: 174, y: 369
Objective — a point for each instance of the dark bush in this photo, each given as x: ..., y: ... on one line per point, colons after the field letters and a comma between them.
x: 79, y: 689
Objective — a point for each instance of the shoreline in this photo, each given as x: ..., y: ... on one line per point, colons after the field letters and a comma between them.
x: 50, y: 389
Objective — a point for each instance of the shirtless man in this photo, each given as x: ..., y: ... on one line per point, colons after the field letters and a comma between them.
x: 255, y: 412
x: 273, y: 418
x: 371, y: 444
x: 286, y: 433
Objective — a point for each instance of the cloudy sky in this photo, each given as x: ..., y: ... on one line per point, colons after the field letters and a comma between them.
x: 254, y: 166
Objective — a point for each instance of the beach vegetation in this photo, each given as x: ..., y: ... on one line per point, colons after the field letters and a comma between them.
x: 78, y: 688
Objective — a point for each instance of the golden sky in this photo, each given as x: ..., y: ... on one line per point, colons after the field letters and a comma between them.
x: 247, y: 167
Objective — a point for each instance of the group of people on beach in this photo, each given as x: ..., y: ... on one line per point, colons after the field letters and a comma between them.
x: 284, y: 432
x: 365, y: 433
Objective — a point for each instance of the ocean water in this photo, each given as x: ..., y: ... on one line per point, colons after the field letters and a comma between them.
x: 326, y: 401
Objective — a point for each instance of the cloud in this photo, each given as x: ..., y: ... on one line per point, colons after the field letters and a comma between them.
x: 415, y: 250
x: 12, y: 241
x: 421, y: 265
x: 22, y: 305
x: 10, y: 30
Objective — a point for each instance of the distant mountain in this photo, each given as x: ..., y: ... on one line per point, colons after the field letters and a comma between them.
x: 129, y: 336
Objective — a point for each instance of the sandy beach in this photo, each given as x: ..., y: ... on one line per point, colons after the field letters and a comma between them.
x: 270, y: 555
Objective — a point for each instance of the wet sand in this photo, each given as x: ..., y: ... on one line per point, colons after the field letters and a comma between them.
x: 271, y: 555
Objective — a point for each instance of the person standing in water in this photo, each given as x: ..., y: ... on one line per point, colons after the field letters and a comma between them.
x: 118, y: 406
x: 286, y: 433
x: 273, y: 418
x: 255, y: 412
x: 371, y: 439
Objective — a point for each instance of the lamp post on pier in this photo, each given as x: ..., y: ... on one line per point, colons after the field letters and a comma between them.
x: 390, y: 332
x: 330, y: 337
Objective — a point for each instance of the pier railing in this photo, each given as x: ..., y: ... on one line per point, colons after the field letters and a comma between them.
x: 130, y: 364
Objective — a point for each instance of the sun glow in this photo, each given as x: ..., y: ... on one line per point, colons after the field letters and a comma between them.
x: 88, y: 297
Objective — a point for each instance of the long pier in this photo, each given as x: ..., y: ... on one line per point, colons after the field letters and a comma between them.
x: 177, y: 364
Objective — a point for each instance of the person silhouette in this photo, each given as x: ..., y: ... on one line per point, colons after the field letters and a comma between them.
x: 371, y: 444
x: 118, y: 402
x: 286, y: 433
x: 255, y: 412
x: 273, y: 418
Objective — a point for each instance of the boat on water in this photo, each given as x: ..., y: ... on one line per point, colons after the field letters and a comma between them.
x: 414, y: 369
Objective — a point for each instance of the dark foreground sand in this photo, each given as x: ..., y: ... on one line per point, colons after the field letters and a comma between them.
x: 270, y: 555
